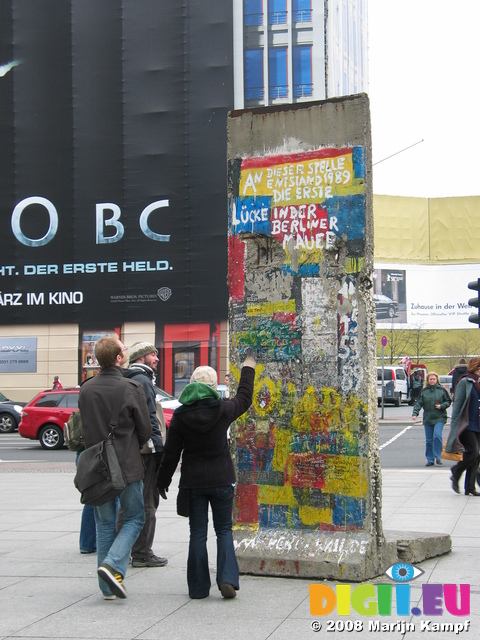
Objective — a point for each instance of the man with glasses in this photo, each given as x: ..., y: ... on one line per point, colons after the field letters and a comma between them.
x: 96, y: 403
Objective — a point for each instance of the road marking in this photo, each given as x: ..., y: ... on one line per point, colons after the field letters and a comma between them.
x: 400, y: 433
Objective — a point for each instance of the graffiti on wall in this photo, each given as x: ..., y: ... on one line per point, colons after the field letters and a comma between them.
x: 296, y: 247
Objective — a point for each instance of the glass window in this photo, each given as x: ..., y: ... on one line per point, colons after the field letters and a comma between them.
x: 302, y: 71
x: 277, y: 12
x: 50, y: 400
x: 277, y: 58
x: 254, y: 74
x: 71, y: 400
x: 302, y: 10
x: 253, y: 13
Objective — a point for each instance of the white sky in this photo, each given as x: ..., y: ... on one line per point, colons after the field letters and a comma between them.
x: 424, y: 77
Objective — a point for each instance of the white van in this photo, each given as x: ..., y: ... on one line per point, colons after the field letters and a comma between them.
x: 395, y: 385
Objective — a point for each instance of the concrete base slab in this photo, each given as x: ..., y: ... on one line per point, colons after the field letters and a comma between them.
x: 414, y: 546
x: 347, y: 556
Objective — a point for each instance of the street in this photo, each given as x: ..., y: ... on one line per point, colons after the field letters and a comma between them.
x: 401, y: 443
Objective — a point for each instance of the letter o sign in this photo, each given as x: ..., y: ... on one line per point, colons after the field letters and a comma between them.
x: 16, y: 218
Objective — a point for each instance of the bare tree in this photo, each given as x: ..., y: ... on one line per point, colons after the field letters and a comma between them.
x: 464, y: 345
x: 421, y: 342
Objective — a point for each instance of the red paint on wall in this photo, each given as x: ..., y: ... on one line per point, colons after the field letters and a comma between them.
x: 302, y: 156
x: 306, y: 470
x: 306, y: 221
x: 246, y: 498
x: 236, y: 268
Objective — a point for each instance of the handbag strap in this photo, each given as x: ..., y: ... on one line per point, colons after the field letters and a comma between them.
x: 117, y: 404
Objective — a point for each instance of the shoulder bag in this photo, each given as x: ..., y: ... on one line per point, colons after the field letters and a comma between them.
x: 99, y: 477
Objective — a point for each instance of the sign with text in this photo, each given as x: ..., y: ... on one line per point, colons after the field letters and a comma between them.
x: 18, y: 355
x: 107, y: 214
x: 412, y: 296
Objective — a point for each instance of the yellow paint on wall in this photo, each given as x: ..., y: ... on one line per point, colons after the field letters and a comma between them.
x: 301, y: 182
x: 282, y: 449
x: 267, y: 309
x: 270, y: 494
x: 354, y: 265
x: 344, y: 477
x: 302, y: 257
x: 311, y: 516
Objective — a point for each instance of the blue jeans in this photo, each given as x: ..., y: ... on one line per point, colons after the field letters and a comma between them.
x: 114, y: 548
x: 433, y: 441
x: 198, y: 575
x: 88, y: 533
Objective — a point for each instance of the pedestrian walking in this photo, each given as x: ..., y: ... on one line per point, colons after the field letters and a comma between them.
x: 96, y: 404
x: 416, y: 381
x: 198, y: 434
x: 459, y: 370
x: 434, y: 400
x: 465, y: 428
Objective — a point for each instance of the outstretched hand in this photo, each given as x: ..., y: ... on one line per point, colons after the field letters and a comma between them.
x: 250, y: 361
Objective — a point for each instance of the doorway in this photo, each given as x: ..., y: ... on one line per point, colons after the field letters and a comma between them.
x: 185, y: 361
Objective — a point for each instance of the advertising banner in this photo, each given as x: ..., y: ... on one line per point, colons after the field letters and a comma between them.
x: 18, y: 355
x: 113, y: 173
x: 424, y: 296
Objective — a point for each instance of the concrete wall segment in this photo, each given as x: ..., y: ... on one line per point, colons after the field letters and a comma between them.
x: 300, y: 264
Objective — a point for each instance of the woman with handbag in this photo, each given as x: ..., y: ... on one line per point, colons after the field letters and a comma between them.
x: 465, y: 428
x: 198, y: 434
x: 435, y: 401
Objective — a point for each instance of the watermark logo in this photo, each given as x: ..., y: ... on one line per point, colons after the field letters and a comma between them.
x: 391, y: 599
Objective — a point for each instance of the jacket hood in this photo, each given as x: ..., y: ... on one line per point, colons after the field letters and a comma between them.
x: 201, y: 407
x: 197, y: 391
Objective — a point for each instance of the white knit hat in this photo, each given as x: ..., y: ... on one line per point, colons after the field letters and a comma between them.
x: 140, y: 349
x: 205, y: 374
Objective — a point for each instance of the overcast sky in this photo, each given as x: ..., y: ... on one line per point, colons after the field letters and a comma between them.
x: 424, y: 85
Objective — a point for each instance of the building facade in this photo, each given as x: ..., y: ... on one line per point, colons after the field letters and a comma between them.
x: 291, y: 51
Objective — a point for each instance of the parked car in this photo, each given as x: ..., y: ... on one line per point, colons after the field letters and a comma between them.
x: 10, y: 411
x: 395, y: 387
x: 446, y: 381
x: 43, y: 417
x: 169, y: 403
x: 384, y: 306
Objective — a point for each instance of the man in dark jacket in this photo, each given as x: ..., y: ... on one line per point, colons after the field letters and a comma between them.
x: 143, y: 364
x: 96, y: 404
x: 459, y: 370
x: 198, y: 433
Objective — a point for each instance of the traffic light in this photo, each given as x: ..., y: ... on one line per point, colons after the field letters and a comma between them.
x: 475, y: 302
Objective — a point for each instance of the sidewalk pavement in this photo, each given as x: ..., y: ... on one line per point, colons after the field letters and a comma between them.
x: 48, y: 590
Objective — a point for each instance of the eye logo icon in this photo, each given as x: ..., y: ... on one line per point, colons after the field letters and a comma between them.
x: 402, y: 572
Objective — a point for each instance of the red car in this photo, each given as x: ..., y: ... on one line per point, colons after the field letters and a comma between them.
x: 169, y: 403
x: 44, y: 416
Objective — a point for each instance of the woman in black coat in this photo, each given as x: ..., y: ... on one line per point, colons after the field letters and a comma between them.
x: 198, y: 434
